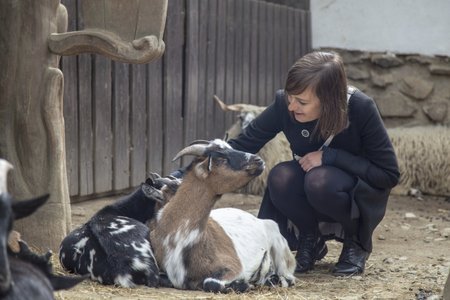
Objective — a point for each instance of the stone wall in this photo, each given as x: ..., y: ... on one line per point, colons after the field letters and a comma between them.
x: 408, y: 89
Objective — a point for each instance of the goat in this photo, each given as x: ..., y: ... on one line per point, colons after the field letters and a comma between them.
x: 113, y: 247
x: 24, y: 274
x: 422, y: 153
x: 226, y: 249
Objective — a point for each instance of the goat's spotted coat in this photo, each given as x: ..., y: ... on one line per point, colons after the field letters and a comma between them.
x: 113, y: 247
x: 229, y: 250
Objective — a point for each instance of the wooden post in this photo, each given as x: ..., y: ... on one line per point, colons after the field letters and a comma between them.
x: 31, y: 116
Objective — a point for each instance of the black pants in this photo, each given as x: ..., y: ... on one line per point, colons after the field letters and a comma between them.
x: 322, y: 194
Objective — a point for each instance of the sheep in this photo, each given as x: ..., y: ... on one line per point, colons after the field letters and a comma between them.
x: 274, y: 152
x: 24, y: 274
x: 223, y: 249
x: 113, y: 247
x: 422, y: 154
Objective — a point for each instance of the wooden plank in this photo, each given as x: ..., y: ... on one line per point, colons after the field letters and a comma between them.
x: 229, y: 63
x: 297, y: 33
x: 70, y: 107
x: 246, y: 16
x: 284, y: 64
x: 262, y: 53
x: 278, y: 71
x: 203, y: 98
x: 155, y: 125
x: 121, y: 128
x: 304, y: 33
x: 221, y: 41
x: 211, y: 68
x: 238, y: 56
x: 85, y: 119
x: 173, y: 83
x: 254, y: 52
x: 291, y: 38
x: 138, y: 125
x: 102, y: 125
x: 270, y: 86
x: 308, y: 32
x: 191, y: 72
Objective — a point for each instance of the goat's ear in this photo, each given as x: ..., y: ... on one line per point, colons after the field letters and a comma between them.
x: 65, y: 282
x: 202, y: 169
x: 25, y: 208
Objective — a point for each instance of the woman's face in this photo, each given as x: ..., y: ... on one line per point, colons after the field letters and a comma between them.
x: 304, y: 106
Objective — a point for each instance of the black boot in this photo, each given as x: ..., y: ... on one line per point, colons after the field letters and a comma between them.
x: 352, y: 260
x: 311, y: 247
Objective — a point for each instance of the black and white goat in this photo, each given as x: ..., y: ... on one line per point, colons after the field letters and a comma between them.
x: 24, y: 274
x: 113, y: 247
x: 226, y: 249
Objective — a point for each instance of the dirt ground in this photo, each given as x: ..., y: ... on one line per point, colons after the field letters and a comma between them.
x: 411, y: 259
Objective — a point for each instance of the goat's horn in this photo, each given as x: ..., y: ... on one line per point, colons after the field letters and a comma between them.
x: 196, y: 149
x: 201, y: 142
x: 4, y: 168
x: 231, y: 107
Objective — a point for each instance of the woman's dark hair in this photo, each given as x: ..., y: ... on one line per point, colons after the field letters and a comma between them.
x: 324, y: 73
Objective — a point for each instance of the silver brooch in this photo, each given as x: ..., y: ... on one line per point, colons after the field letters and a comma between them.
x: 305, y: 133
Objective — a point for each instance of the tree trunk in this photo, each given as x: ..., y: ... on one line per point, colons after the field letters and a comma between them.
x: 31, y: 115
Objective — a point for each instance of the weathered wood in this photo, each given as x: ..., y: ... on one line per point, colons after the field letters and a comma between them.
x: 211, y: 68
x: 71, y: 106
x: 191, y: 72
x: 117, y: 29
x: 121, y: 125
x: 219, y: 117
x: 203, y: 98
x: 218, y: 52
x: 102, y: 125
x: 155, y: 112
x: 138, y: 125
x: 254, y: 52
x: 31, y: 115
x: 230, y: 72
x: 173, y: 84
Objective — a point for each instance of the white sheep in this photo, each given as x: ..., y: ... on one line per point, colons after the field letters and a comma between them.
x: 226, y: 249
x: 423, y: 153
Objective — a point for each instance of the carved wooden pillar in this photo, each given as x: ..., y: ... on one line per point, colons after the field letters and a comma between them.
x: 31, y: 115
x: 31, y: 91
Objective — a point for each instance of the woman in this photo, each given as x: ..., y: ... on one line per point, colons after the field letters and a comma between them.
x: 343, y: 168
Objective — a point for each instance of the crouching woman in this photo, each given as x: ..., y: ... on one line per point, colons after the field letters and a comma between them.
x: 343, y: 167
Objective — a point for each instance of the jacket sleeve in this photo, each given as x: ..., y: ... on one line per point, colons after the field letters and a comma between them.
x: 262, y: 129
x: 378, y: 164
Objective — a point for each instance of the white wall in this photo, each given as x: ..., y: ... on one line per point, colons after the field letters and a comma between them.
x: 400, y: 26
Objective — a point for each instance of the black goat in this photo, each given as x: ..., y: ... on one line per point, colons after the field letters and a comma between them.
x: 113, y: 247
x: 24, y: 274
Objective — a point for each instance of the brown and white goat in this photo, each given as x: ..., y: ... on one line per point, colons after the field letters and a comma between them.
x: 228, y: 249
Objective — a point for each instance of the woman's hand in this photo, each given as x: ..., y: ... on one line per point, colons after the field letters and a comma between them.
x: 311, y: 160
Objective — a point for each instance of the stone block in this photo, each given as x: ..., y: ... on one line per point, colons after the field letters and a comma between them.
x: 387, y: 60
x: 394, y: 104
x: 381, y: 80
x: 416, y: 87
x: 436, y: 111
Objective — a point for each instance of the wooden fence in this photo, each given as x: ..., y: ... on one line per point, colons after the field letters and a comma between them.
x: 124, y: 121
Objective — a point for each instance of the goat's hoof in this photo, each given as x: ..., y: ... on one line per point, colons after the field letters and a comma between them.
x: 238, y: 286
x: 213, y: 285
x: 273, y: 280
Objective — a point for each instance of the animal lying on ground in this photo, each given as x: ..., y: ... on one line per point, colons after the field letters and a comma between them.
x: 422, y: 153
x: 24, y: 274
x: 227, y: 249
x: 113, y: 247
